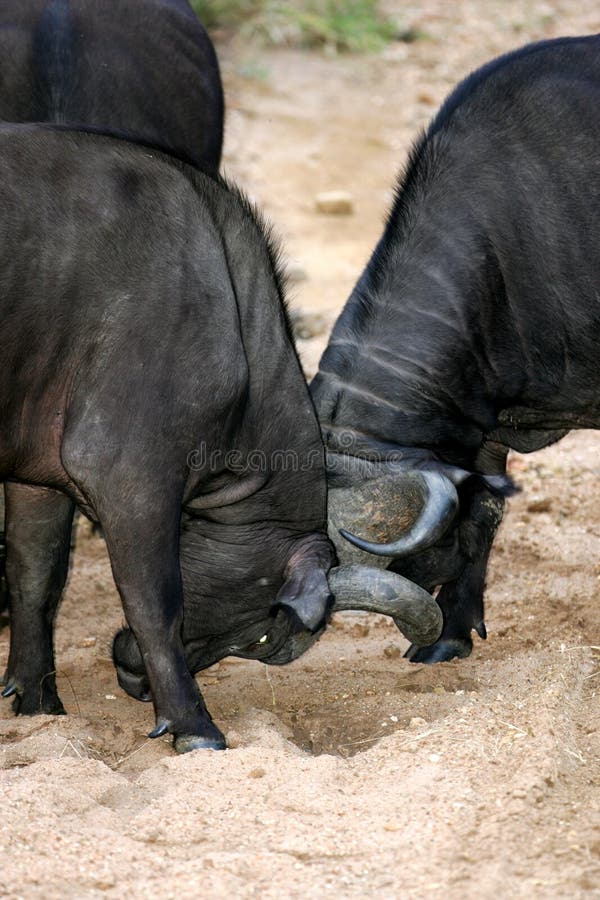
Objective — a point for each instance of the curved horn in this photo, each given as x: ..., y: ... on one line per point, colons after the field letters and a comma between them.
x: 439, y: 508
x: 412, y: 608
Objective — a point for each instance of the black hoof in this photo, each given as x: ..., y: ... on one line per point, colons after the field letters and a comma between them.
x: 48, y: 708
x: 442, y: 651
x: 481, y: 630
x: 33, y: 697
x: 184, y: 743
x: 135, y: 685
x: 210, y: 739
x: 29, y: 703
x: 131, y: 672
x: 159, y: 729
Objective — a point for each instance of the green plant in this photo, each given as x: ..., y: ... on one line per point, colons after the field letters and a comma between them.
x: 343, y: 24
x: 355, y: 25
x: 226, y: 13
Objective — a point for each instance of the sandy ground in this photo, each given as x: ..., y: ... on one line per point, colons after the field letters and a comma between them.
x: 351, y: 773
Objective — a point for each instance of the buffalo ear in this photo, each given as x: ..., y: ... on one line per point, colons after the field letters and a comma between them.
x: 306, y: 595
x: 502, y: 485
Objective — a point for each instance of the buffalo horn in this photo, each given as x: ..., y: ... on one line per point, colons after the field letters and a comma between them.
x: 439, y: 509
x: 412, y: 608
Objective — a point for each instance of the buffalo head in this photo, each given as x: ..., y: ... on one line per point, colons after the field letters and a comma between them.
x: 407, y: 514
x: 242, y: 610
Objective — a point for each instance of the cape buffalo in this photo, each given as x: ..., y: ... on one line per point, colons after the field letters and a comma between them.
x: 474, y: 327
x: 144, y: 67
x: 148, y: 376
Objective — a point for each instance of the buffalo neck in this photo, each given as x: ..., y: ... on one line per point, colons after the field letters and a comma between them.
x: 475, y: 310
x: 410, y: 363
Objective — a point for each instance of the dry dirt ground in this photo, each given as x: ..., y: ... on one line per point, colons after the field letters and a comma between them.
x: 351, y: 773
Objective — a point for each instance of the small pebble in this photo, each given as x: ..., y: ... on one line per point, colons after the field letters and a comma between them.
x: 417, y: 722
x: 233, y: 739
x: 334, y: 203
x: 89, y: 642
x: 392, y: 651
x: 257, y: 773
x: 540, y: 505
x: 426, y: 97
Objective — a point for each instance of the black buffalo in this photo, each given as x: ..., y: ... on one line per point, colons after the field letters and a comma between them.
x: 148, y: 377
x: 146, y: 68
x: 474, y: 328
x: 142, y: 67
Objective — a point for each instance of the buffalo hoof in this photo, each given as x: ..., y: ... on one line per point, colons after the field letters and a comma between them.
x: 135, y: 685
x: 442, y: 651
x: 184, y: 743
x: 210, y: 739
x: 34, y: 700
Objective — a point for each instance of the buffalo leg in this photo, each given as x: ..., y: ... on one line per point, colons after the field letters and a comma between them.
x: 3, y: 586
x: 461, y: 601
x: 38, y: 533
x: 142, y: 543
